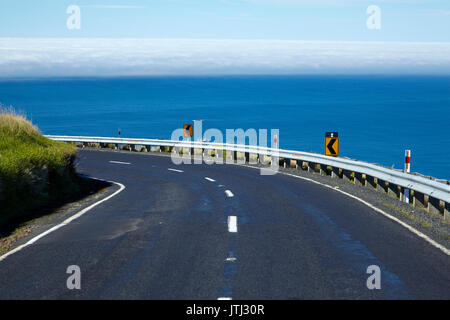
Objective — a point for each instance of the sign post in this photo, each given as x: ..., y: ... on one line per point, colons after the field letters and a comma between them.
x: 332, y: 144
x: 407, y: 169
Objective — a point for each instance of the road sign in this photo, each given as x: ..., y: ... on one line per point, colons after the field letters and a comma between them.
x: 188, y: 130
x: 331, y: 144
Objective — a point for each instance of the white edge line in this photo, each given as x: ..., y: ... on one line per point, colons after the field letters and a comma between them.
x: 407, y: 226
x: 65, y: 222
x: 232, y: 224
x: 229, y: 193
x: 119, y: 162
x: 176, y: 170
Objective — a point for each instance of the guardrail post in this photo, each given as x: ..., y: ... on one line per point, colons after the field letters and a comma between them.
x: 260, y: 159
x: 348, y: 176
x: 304, y: 165
x: 360, y: 178
x: 335, y: 172
x: 293, y: 163
x: 447, y: 211
x: 412, y: 198
x: 421, y: 200
x: 253, y: 158
x: 371, y: 181
x: 394, y: 190
x: 382, y: 185
x: 435, y: 205
x: 197, y: 152
x: 219, y: 156
x: 240, y: 157
x: 208, y: 156
x: 317, y: 168
x: 229, y: 156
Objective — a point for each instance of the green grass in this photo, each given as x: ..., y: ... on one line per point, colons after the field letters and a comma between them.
x: 34, y: 170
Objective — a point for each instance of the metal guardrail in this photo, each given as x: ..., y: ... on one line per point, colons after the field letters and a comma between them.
x: 439, y: 191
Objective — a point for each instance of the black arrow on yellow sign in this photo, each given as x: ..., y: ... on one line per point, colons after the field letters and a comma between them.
x: 330, y: 146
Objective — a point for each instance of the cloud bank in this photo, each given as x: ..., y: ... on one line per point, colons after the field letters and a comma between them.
x: 139, y: 57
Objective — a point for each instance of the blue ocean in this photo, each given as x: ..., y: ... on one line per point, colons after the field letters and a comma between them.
x: 377, y: 117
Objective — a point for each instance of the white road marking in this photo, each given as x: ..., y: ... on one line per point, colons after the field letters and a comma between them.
x: 224, y: 298
x: 209, y: 179
x: 229, y: 193
x: 176, y: 170
x: 416, y: 232
x: 231, y: 259
x: 119, y: 162
x: 65, y: 222
x: 232, y: 224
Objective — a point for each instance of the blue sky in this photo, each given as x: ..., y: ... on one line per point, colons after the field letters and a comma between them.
x: 223, y: 37
x: 338, y: 20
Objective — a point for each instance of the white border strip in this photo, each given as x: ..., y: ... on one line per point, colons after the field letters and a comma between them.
x: 229, y: 193
x: 119, y: 162
x: 65, y: 222
x: 407, y: 226
x: 232, y: 224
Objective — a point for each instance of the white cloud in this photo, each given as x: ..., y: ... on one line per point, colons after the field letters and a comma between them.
x: 108, y: 57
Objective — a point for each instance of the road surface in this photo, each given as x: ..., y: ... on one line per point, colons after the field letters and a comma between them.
x: 222, y: 232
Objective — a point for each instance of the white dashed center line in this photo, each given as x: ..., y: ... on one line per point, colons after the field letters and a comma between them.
x: 176, y: 170
x: 224, y: 298
x: 229, y: 193
x: 119, y: 162
x: 209, y: 179
x: 232, y: 224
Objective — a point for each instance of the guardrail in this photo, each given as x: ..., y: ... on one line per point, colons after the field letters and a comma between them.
x: 428, y: 193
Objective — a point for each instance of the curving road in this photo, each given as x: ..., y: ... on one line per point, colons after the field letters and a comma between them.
x: 222, y: 231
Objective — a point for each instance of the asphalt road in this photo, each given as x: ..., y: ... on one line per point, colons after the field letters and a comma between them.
x: 169, y: 235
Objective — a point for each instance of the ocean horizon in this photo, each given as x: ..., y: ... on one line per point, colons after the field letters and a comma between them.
x: 377, y: 117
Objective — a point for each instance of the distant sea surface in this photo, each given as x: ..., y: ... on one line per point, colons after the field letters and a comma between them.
x: 377, y: 117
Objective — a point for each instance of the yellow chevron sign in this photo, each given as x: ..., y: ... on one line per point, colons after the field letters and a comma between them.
x: 331, y: 144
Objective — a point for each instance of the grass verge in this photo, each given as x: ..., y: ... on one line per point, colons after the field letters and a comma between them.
x: 36, y: 173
